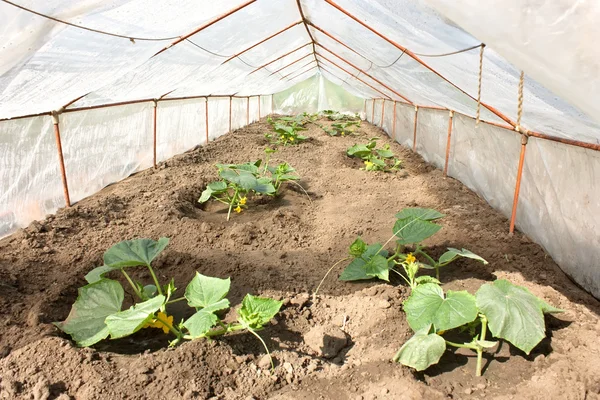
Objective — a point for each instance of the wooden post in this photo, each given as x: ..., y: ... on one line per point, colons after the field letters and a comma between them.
x: 448, y: 143
x: 206, y: 108
x: 61, y: 160
x: 513, y: 217
x: 154, y: 107
x: 415, y: 130
x: 394, y: 123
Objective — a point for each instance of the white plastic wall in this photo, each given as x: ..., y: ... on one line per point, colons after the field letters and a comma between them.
x: 29, y: 172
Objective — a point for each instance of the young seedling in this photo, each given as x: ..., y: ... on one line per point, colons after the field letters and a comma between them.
x: 413, y: 225
x: 97, y: 313
x: 337, y: 116
x: 239, y: 181
x: 286, y: 130
x: 375, y: 159
x: 342, y: 128
x: 510, y: 312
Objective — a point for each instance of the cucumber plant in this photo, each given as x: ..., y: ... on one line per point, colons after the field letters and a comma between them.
x: 412, y: 226
x: 508, y: 311
x: 286, y: 129
x: 382, y: 159
x: 97, y: 313
x: 239, y: 181
x: 342, y: 128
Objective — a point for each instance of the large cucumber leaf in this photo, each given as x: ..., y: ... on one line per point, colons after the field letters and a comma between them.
x: 513, y: 313
x: 422, y: 350
x: 131, y: 253
x: 94, y: 303
x: 125, y: 323
x: 208, y: 292
x: 428, y: 306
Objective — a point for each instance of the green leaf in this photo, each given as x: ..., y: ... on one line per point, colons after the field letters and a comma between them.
x: 422, y: 350
x: 94, y: 303
x: 212, y: 188
x: 258, y: 311
x: 204, y: 291
x: 420, y: 280
x: 149, y: 290
x: 385, y: 153
x: 358, y: 247
x: 359, y: 150
x: 97, y: 273
x: 378, y: 267
x: 427, y: 305
x: 453, y: 254
x: 131, y: 253
x: 425, y: 214
x: 125, y: 323
x: 264, y: 186
x: 414, y: 230
x: 513, y: 313
x: 356, y: 269
x: 200, y: 323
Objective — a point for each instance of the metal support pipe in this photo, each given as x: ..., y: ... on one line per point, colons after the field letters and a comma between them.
x: 206, y: 116
x: 415, y: 129
x: 513, y: 216
x: 448, y: 142
x: 61, y: 160
x: 154, y: 111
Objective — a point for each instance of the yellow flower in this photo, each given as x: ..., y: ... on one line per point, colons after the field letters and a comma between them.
x: 291, y: 139
x: 155, y: 323
x: 238, y: 209
x: 410, y: 258
x: 369, y: 164
x: 243, y: 200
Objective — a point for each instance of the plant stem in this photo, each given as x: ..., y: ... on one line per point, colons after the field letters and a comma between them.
x: 176, y: 300
x: 155, y: 279
x: 231, y: 203
x: 431, y: 260
x: 265, y: 346
x: 222, y: 331
x: 462, y: 346
x: 135, y: 289
x: 403, y: 277
x: 328, y: 271
x: 480, y: 349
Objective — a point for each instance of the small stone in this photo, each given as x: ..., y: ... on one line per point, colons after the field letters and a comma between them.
x: 383, y: 304
x: 326, y: 341
x: 385, y: 391
x: 468, y: 391
x: 481, y: 386
x: 288, y: 367
x: 264, y: 362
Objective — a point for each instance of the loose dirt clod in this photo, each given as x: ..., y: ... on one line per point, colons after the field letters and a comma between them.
x: 326, y: 341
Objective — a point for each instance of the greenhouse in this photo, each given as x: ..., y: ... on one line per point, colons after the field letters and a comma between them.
x: 299, y: 199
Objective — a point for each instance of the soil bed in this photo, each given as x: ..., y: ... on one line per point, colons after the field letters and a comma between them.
x: 282, y: 248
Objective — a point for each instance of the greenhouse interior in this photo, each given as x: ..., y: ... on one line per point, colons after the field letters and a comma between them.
x: 157, y: 157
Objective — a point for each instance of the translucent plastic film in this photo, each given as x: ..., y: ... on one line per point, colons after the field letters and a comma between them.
x: 432, y: 136
x: 29, y: 172
x: 180, y: 126
x: 105, y: 145
x: 560, y: 212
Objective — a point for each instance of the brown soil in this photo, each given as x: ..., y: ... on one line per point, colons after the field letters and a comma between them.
x: 281, y: 248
